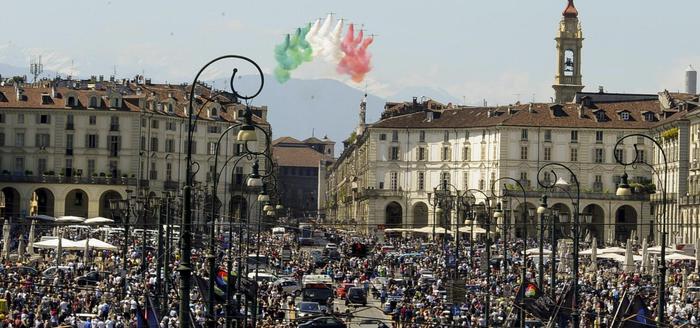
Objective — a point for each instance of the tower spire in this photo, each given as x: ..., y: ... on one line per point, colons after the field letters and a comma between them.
x: 363, y: 113
x: 570, y: 10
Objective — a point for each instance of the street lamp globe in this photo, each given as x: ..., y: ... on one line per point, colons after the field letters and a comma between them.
x: 268, y: 208
x: 247, y: 134
x: 279, y: 207
x: 623, y: 189
x: 498, y: 213
x: 542, y: 209
x: 263, y: 197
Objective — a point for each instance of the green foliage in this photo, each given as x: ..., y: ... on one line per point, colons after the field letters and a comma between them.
x: 671, y: 133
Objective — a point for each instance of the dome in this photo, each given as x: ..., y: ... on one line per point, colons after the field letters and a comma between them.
x: 570, y: 10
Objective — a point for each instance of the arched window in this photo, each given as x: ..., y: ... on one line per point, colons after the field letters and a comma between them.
x: 71, y: 102
x: 170, y: 108
x: 213, y: 112
x: 93, y: 102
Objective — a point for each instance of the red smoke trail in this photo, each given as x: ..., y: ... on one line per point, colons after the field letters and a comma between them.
x: 356, y: 61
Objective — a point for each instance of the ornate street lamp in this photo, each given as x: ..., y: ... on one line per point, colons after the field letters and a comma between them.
x: 625, y: 190
x: 543, y: 211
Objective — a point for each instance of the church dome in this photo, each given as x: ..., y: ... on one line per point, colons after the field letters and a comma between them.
x: 570, y: 10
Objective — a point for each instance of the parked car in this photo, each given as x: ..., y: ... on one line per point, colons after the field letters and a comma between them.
x: 356, y: 295
x: 23, y: 270
x: 372, y: 323
x: 305, y: 309
x: 51, y: 272
x: 323, y: 322
x: 343, y: 289
x: 289, y: 286
x: 91, y: 278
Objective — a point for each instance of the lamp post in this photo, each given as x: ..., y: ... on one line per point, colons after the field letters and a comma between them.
x: 542, y: 210
x: 521, y: 290
x: 562, y: 184
x: 124, y: 207
x: 185, y: 268
x: 625, y: 190
x: 487, y: 207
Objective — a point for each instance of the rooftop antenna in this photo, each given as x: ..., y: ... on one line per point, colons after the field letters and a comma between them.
x: 313, y: 130
x: 517, y: 97
x: 115, y: 70
x: 36, y: 67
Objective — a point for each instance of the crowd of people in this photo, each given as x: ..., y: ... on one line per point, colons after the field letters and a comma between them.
x: 415, y: 281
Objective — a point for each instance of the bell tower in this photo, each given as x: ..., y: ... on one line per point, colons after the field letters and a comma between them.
x: 569, y: 43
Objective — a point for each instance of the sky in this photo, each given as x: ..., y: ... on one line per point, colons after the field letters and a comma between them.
x: 502, y: 51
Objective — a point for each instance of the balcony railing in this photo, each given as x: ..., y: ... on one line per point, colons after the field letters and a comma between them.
x: 379, y: 193
x: 535, y: 195
x: 65, y: 179
x: 114, y: 127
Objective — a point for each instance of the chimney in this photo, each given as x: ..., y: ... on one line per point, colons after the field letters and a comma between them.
x: 691, y: 80
x: 601, y: 90
x: 510, y: 110
x: 581, y: 111
x: 111, y: 78
x: 530, y: 109
x: 102, y: 78
x: 415, y: 102
x: 489, y: 113
x: 428, y: 115
x: 20, y: 93
x: 53, y: 91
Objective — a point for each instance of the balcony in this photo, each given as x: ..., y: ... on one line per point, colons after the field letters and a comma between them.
x: 65, y: 180
x: 374, y: 193
x: 170, y: 185
x: 114, y: 127
x: 70, y: 126
x: 690, y: 200
x: 533, y: 196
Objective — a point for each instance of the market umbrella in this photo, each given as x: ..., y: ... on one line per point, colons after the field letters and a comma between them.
x: 468, y: 229
x: 657, y: 250
x: 41, y: 217
x: 612, y: 256
x: 97, y: 244
x: 697, y: 255
x: 100, y: 220
x: 20, y: 249
x: 438, y: 230
x: 30, y: 245
x: 6, y: 238
x: 679, y: 256
x: 645, y: 256
x: 594, y: 255
x: 536, y: 251
x: 54, y: 243
x: 70, y: 219
x: 614, y: 249
x: 629, y: 258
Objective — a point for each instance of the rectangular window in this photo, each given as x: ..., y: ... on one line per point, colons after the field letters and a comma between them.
x: 599, y: 155
x: 466, y: 134
x: 170, y: 126
x: 19, y: 165
x: 421, y: 136
x: 194, y: 146
x: 523, y: 177
x: 69, y: 141
x: 211, y: 146
x: 574, y: 155
x: 446, y: 153
x: 44, y: 119
x: 421, y: 154
x: 43, y: 140
x: 574, y: 136
x: 154, y: 124
x: 421, y: 180
x: 143, y: 143
x: 154, y: 173
x: 382, y: 136
x: 213, y: 129
x: 169, y: 145
x: 19, y: 139
x: 547, y: 135
x: 599, y: 137
x: 114, y: 145
x: 394, y: 135
x: 2, y: 118
x: 394, y: 155
x: 113, y: 168
x: 154, y: 144
x: 91, y: 141
x: 481, y: 184
x: 446, y: 136
x: 547, y: 153
x: 523, y: 152
x: 619, y: 155
x: 523, y: 134
x: 394, y: 178
x: 69, y: 122
x: 482, y: 154
x: 444, y: 178
x: 114, y: 123
x: 2, y: 139
x: 20, y: 120
x: 93, y: 119
x: 640, y: 156
x: 465, y: 180
x: 467, y: 154
x: 91, y: 167
x: 41, y: 166
x: 169, y: 171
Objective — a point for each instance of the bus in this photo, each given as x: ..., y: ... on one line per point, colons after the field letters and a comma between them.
x: 306, y: 234
x: 317, y: 288
x: 254, y: 261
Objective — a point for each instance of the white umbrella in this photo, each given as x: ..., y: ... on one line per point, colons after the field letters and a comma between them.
x: 6, y: 238
x: 438, y: 230
x: 101, y: 220
x: 679, y: 256
x: 536, y: 251
x: 594, y: 255
x: 97, y: 244
x: 657, y: 250
x: 54, y: 243
x: 468, y: 229
x: 614, y: 249
x: 645, y: 256
x: 41, y: 217
x: 30, y: 244
x: 629, y: 258
x: 70, y: 219
x: 612, y: 256
x: 697, y: 255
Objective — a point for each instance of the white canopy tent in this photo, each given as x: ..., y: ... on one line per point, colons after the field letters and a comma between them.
x: 98, y: 220
x: 54, y: 243
x: 679, y: 256
x: 96, y: 244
